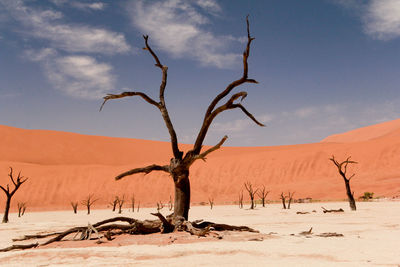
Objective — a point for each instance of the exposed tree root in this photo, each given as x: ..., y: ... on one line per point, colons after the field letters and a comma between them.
x: 338, y: 210
x: 106, y: 229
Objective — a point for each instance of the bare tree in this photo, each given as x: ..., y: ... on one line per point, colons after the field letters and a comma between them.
x: 263, y: 193
x: 21, y: 208
x: 160, y: 206
x: 211, y: 202
x: 241, y: 199
x: 133, y: 202
x: 17, y: 183
x: 342, y: 168
x: 74, y: 206
x: 88, y: 202
x: 138, y: 206
x: 252, y: 193
x: 114, y: 203
x: 283, y: 198
x: 170, y: 204
x: 120, y: 203
x: 179, y: 165
x: 291, y: 194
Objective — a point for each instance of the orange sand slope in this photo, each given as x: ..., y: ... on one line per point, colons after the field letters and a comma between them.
x: 64, y: 167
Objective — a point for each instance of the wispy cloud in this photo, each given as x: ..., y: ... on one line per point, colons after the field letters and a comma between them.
x: 47, y: 25
x: 178, y: 27
x: 381, y: 18
x: 80, y: 5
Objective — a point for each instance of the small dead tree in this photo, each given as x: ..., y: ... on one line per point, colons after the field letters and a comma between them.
x: 114, y: 203
x: 252, y: 193
x: 179, y: 165
x: 138, y: 206
x: 160, y: 206
x: 120, y: 203
x: 291, y: 194
x: 211, y: 202
x: 21, y: 208
x: 342, y: 168
x: 88, y: 202
x: 263, y: 193
x: 133, y: 202
x: 170, y: 204
x: 283, y: 198
x: 241, y: 199
x: 74, y: 206
x: 17, y: 183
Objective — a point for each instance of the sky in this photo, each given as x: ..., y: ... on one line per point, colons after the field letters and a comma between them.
x: 323, y: 66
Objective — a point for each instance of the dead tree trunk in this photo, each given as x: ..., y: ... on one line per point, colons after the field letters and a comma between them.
x: 342, y: 168
x: 263, y: 195
x: 120, y: 203
x: 241, y: 199
x: 88, y: 202
x: 211, y: 202
x: 290, y: 199
x: 133, y: 203
x: 21, y: 208
x: 17, y: 183
x: 283, y: 198
x: 252, y: 192
x: 179, y: 165
x: 74, y: 206
x: 114, y: 203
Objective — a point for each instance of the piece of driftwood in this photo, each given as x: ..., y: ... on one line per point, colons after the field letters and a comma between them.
x: 338, y: 210
x: 106, y: 229
x: 330, y: 235
x: 302, y: 212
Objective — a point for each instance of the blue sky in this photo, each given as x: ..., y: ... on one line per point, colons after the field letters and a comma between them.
x: 324, y: 66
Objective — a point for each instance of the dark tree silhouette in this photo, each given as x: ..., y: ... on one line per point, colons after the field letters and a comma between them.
x: 133, y: 202
x: 88, y: 202
x: 283, y: 198
x: 21, y: 208
x: 252, y: 193
x: 342, y: 168
x: 211, y: 202
x: 114, y: 203
x: 74, y: 206
x: 263, y: 193
x: 180, y: 163
x: 291, y: 194
x: 120, y: 203
x: 17, y: 183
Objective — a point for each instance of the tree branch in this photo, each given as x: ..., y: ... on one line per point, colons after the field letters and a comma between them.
x: 145, y: 170
x: 212, y: 149
x: 208, y: 117
x: 125, y: 94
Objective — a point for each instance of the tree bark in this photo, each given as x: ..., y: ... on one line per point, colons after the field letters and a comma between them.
x: 182, y: 194
x: 350, y: 196
x: 7, y: 209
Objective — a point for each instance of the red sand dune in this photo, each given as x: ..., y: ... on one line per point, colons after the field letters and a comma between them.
x: 64, y: 167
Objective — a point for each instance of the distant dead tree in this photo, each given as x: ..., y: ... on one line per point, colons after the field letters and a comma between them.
x: 263, y: 193
x: 17, y: 183
x: 179, y: 165
x: 138, y: 206
x: 21, y: 208
x: 74, y: 206
x: 120, y: 203
x: 160, y: 206
x: 342, y: 168
x: 211, y: 202
x: 114, y: 203
x: 252, y: 192
x: 133, y: 202
x: 241, y: 199
x: 291, y: 194
x: 88, y: 202
x: 170, y: 204
x: 283, y: 198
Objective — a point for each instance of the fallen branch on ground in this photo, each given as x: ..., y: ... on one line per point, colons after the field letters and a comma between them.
x: 325, y: 210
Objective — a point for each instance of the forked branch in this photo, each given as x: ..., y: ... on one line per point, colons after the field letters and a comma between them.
x: 125, y: 94
x: 145, y: 170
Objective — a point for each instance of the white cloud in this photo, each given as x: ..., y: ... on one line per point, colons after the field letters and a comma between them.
x: 45, y: 24
x: 81, y: 76
x: 85, y: 6
x: 177, y: 27
x: 382, y: 19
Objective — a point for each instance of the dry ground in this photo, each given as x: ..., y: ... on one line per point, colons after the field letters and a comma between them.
x: 371, y: 238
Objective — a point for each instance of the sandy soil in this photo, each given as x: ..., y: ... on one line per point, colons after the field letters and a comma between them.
x: 371, y: 238
x: 65, y: 167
